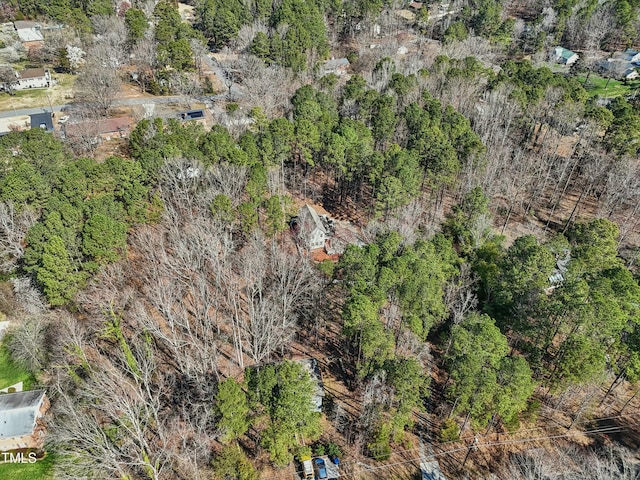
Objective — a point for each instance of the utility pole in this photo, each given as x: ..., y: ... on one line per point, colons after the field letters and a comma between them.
x: 49, y: 98
x: 472, y: 446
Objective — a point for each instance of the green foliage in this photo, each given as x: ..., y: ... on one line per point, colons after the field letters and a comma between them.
x: 232, y: 409
x: 450, y: 431
x: 222, y: 208
x: 261, y: 46
x: 285, y: 393
x: 137, y: 23
x: 221, y: 20
x: 485, y: 381
x: 455, y: 32
x: 84, y: 208
x: 413, y: 277
x: 379, y: 445
x: 10, y: 371
x: 333, y: 450
x: 462, y: 224
x: 531, y: 83
x: 231, y: 463
x: 277, y: 209
x: 57, y: 275
x: 524, y: 274
x: 327, y: 267
x: 104, y: 238
x: 173, y: 35
x: 595, y: 246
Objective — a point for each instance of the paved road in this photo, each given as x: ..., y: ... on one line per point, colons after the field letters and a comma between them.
x: 221, y: 72
x: 124, y: 101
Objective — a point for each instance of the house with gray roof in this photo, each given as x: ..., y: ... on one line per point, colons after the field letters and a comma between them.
x: 30, y: 33
x: 314, y: 230
x: 20, y: 419
x: 337, y: 66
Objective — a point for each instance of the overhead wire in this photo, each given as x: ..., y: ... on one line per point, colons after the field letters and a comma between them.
x: 475, y: 446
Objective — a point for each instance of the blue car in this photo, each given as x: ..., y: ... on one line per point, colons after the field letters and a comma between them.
x: 320, y: 468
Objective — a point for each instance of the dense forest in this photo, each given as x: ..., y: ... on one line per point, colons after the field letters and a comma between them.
x: 489, y: 308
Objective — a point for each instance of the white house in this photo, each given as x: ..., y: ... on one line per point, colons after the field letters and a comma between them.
x: 20, y: 419
x: 313, y: 229
x: 33, y: 78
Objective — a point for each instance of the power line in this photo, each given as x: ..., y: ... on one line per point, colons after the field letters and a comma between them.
x: 368, y: 468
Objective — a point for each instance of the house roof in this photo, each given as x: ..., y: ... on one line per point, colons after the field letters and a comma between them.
x: 336, y: 63
x: 18, y: 412
x: 315, y: 218
x: 564, y: 53
x: 99, y: 127
x: 29, y: 33
x: 416, y: 5
x: 42, y: 120
x: 191, y: 115
x: 22, y: 24
x: 32, y: 73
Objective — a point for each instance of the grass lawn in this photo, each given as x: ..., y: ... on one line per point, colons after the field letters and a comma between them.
x: 597, y: 85
x: 41, y: 470
x: 59, y: 94
x: 10, y: 373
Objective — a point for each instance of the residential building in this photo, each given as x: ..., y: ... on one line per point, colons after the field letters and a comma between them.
x: 30, y: 33
x: 618, y: 67
x: 629, y: 55
x: 42, y: 120
x: 33, y: 78
x: 21, y: 419
x: 313, y: 229
x: 564, y: 56
x: 105, y: 129
x: 189, y: 115
x: 337, y: 66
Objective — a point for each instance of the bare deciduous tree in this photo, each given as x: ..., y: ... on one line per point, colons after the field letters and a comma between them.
x: 98, y: 86
x: 13, y: 230
x: 27, y: 342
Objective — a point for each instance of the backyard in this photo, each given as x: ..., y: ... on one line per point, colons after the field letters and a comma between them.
x: 605, y: 88
x: 59, y: 94
x: 40, y: 470
x: 10, y: 373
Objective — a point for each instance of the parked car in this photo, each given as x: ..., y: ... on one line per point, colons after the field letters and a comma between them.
x: 321, y: 468
x: 307, y: 467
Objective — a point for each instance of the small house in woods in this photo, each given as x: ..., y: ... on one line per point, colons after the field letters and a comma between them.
x: 105, y: 129
x: 29, y: 33
x: 313, y: 229
x: 192, y: 115
x: 564, y: 56
x: 337, y: 66
x: 42, y: 120
x: 618, y: 68
x: 21, y: 419
x: 629, y: 55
